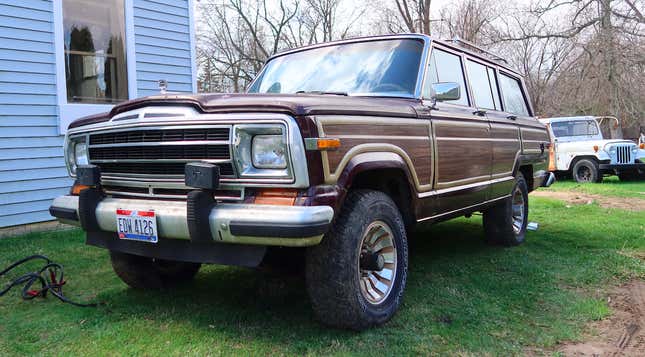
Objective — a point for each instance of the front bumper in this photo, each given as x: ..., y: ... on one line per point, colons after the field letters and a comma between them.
x: 249, y: 224
x: 617, y: 168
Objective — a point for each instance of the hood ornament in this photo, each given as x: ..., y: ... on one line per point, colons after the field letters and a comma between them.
x: 163, y: 86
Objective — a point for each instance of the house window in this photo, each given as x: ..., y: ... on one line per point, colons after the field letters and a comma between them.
x: 95, y: 63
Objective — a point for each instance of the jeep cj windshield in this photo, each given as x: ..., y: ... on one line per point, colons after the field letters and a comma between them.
x: 575, y: 128
x: 374, y: 68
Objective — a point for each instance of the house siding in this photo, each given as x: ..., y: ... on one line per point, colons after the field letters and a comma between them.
x: 163, y: 45
x: 32, y: 165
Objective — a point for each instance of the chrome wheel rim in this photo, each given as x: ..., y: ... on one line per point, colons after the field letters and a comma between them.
x: 377, y: 263
x: 518, y: 210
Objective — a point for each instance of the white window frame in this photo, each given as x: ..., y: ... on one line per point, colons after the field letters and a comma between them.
x: 68, y: 112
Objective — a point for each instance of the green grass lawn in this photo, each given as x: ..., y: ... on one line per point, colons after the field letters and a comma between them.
x: 610, y: 186
x: 463, y: 297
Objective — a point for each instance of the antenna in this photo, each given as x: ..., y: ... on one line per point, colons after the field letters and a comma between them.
x: 464, y: 43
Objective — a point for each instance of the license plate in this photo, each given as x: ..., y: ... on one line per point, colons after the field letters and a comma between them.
x: 137, y: 225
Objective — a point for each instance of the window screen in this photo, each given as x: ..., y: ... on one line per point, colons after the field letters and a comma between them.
x: 445, y: 67
x: 95, y: 64
x: 513, y: 97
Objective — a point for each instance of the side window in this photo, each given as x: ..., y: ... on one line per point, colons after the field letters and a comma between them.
x: 493, y: 87
x: 483, y: 85
x: 445, y: 67
x: 513, y: 97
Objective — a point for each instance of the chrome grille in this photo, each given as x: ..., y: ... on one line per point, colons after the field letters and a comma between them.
x: 624, y: 154
x: 168, y: 135
x: 160, y: 153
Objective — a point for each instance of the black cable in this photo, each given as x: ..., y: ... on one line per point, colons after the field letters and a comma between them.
x: 51, y: 278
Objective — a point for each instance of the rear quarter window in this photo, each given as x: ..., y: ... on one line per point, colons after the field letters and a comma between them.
x: 514, y: 100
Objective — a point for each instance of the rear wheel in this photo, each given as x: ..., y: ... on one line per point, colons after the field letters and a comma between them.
x: 150, y: 273
x: 505, y: 223
x: 357, y: 275
x: 585, y: 171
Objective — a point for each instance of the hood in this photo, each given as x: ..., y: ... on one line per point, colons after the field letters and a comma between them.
x: 601, y: 143
x: 291, y: 104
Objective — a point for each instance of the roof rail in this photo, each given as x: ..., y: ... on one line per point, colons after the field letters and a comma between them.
x: 464, y: 43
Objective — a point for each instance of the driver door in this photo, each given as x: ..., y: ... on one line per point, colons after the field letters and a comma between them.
x: 463, y: 150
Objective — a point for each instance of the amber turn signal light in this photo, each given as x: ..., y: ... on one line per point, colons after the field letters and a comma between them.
x: 642, y: 146
x: 595, y: 148
x: 280, y: 197
x: 77, y: 188
x: 322, y: 143
x: 328, y: 144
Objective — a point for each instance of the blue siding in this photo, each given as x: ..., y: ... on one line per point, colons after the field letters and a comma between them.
x: 32, y: 167
x: 163, y: 48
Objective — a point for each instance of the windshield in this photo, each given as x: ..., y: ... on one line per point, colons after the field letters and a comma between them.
x: 575, y: 128
x: 376, y: 68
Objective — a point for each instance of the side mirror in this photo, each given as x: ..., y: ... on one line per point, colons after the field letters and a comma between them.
x: 445, y: 91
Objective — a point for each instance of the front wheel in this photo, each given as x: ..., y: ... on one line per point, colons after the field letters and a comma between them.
x: 150, y: 273
x: 505, y: 223
x: 357, y: 275
x: 585, y: 171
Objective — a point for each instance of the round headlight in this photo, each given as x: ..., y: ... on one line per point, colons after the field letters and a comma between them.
x: 269, y: 152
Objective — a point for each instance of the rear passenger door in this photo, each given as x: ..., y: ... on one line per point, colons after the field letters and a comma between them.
x: 462, y: 151
x: 534, y: 135
x: 504, y: 133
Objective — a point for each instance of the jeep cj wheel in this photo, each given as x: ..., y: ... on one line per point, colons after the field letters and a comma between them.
x: 505, y: 223
x: 586, y: 171
x: 149, y: 273
x: 357, y: 275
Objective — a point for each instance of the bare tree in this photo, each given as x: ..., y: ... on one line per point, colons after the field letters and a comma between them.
x: 606, y: 73
x: 415, y: 15
x: 470, y: 20
x: 236, y: 37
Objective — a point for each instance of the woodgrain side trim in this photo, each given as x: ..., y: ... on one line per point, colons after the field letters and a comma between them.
x: 532, y: 139
x: 463, y: 150
x: 464, y: 209
x: 408, y: 138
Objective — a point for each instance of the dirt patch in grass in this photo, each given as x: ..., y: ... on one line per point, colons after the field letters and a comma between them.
x: 577, y: 198
x: 621, y: 334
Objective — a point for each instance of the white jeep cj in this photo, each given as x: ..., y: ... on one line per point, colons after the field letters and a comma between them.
x: 579, y: 150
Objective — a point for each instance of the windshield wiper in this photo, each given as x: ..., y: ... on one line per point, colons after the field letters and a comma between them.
x: 321, y: 92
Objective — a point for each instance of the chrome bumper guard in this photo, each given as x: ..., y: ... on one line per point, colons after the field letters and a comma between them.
x: 251, y: 224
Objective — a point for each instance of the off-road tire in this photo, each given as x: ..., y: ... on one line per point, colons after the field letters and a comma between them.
x: 498, y: 220
x: 148, y: 273
x: 332, y: 269
x: 586, y: 171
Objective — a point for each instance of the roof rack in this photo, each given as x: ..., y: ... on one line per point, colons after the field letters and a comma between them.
x: 464, y: 43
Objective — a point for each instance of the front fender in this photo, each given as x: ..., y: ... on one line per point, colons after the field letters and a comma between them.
x: 370, y: 161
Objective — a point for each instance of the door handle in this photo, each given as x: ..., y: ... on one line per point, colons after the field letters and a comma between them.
x: 479, y: 112
x: 512, y: 117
